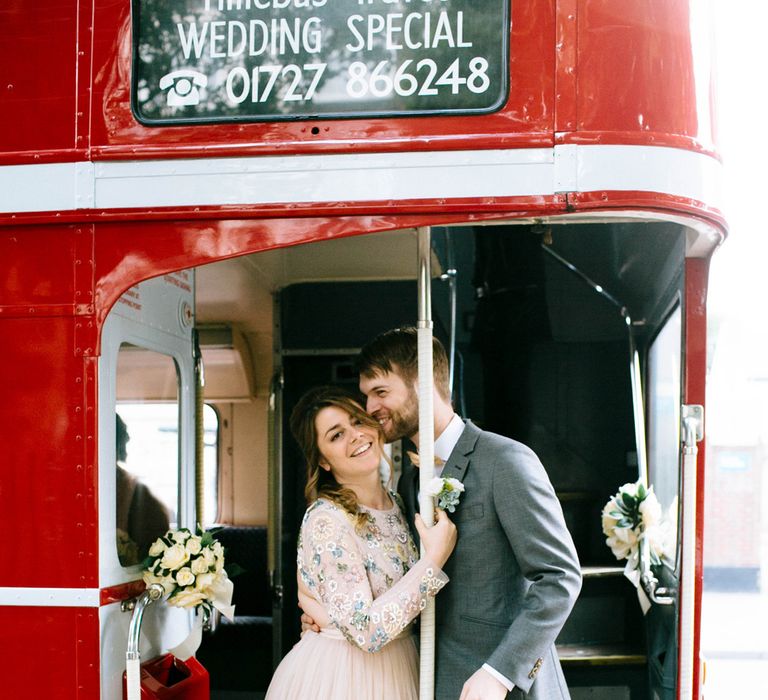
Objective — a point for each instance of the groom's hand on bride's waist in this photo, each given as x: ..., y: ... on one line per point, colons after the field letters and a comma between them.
x: 308, y: 623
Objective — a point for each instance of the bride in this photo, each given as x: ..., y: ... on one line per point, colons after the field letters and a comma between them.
x: 359, y: 572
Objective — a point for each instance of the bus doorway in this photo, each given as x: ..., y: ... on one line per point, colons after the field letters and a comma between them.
x: 556, y: 348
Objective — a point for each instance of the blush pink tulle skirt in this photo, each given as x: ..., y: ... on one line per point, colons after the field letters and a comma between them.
x: 325, y: 666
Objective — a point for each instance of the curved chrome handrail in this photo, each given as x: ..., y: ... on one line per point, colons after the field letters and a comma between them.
x: 132, y: 656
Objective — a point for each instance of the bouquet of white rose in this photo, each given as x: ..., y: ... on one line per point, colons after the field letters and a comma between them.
x: 631, y: 516
x: 190, y: 567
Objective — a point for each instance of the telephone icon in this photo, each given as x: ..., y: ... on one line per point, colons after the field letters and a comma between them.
x: 184, y: 87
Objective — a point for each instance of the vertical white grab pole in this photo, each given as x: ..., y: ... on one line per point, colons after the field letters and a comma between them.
x: 693, y: 420
x: 133, y: 678
x: 426, y: 448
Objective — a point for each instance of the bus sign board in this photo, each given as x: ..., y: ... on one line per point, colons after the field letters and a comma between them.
x: 260, y: 60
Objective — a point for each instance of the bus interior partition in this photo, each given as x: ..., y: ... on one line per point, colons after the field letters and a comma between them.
x: 542, y: 316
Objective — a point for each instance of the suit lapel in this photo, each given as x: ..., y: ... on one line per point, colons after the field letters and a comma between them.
x: 455, y: 468
x: 458, y: 462
x: 408, y: 486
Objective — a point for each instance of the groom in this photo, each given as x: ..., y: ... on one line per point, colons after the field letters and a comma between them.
x: 514, y: 575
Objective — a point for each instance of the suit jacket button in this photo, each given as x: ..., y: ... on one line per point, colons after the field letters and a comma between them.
x: 535, y: 668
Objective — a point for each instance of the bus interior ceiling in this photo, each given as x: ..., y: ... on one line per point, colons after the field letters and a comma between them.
x: 541, y: 356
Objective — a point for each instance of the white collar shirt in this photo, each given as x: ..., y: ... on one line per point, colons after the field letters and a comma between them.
x: 447, y: 440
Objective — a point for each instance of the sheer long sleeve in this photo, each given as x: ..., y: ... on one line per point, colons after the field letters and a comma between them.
x: 335, y: 563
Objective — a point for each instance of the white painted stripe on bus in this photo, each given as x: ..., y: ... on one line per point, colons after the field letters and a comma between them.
x: 673, y: 171
x: 50, y: 597
x: 263, y: 180
x: 315, y: 179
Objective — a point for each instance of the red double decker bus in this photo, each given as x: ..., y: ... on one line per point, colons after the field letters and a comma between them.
x: 236, y: 185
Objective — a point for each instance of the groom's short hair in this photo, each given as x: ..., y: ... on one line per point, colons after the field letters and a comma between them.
x: 396, y: 351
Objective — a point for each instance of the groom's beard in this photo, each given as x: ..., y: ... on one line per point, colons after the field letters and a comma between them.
x: 405, y: 422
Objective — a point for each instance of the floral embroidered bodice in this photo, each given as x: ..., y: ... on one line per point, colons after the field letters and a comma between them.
x: 370, y: 581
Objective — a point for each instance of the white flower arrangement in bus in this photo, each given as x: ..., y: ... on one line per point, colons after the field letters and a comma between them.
x: 633, y: 515
x: 190, y: 568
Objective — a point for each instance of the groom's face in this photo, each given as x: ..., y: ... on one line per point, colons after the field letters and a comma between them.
x: 393, y: 403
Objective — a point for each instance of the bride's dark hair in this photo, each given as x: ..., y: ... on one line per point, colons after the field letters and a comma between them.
x: 321, y: 483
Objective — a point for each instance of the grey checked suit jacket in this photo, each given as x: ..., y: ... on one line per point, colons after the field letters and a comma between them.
x: 514, y: 575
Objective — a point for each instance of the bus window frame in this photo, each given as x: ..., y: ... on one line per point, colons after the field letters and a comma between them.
x: 674, y: 306
x: 117, y: 331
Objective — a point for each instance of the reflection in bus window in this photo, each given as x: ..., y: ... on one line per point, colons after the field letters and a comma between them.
x: 664, y: 399
x: 147, y: 450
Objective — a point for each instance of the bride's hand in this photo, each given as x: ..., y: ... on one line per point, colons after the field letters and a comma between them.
x: 438, y: 540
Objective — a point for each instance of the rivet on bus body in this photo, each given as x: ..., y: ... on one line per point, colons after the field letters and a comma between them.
x: 79, y: 467
x: 78, y: 438
x: 78, y: 409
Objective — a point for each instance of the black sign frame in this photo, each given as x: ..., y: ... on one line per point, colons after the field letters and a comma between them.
x: 475, y: 68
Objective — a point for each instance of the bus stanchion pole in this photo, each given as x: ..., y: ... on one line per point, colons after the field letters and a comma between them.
x: 426, y: 448
x: 692, y: 433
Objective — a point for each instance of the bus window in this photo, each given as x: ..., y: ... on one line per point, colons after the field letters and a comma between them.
x: 210, y: 466
x: 664, y: 398
x: 147, y: 443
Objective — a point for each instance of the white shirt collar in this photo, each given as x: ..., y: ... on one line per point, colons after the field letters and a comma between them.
x: 447, y: 440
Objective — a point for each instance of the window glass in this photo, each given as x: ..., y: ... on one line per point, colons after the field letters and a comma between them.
x: 210, y: 466
x: 664, y: 400
x: 217, y: 61
x: 147, y: 450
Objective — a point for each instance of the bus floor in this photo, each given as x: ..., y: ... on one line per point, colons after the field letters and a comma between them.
x: 236, y: 695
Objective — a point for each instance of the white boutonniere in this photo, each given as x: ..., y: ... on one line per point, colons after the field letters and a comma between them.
x: 446, y: 492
